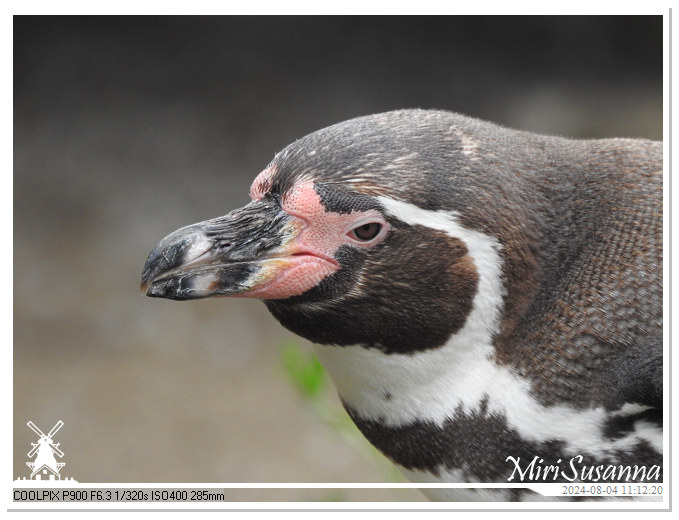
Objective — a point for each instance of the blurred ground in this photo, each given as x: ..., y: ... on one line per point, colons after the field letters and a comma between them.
x: 128, y: 128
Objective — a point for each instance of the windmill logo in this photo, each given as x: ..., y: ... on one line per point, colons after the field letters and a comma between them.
x: 45, y: 465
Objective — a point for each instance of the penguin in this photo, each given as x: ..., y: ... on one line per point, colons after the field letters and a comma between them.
x: 487, y: 301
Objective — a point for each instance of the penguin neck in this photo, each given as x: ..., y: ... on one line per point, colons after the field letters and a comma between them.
x: 398, y: 389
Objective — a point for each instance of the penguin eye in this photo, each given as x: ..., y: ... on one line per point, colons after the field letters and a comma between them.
x: 366, y: 232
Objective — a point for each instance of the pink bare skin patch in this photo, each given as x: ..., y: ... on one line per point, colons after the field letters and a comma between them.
x: 291, y: 276
x: 309, y: 256
x: 262, y: 183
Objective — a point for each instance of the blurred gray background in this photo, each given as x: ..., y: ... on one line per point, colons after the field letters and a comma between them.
x: 128, y: 128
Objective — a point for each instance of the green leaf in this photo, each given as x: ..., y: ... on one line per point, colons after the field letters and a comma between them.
x: 303, y: 369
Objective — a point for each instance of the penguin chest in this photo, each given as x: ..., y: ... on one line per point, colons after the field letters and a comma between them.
x: 455, y: 416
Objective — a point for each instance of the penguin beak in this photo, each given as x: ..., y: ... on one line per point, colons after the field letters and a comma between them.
x: 238, y: 254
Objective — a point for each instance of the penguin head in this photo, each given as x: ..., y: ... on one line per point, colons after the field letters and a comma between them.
x: 347, y: 239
